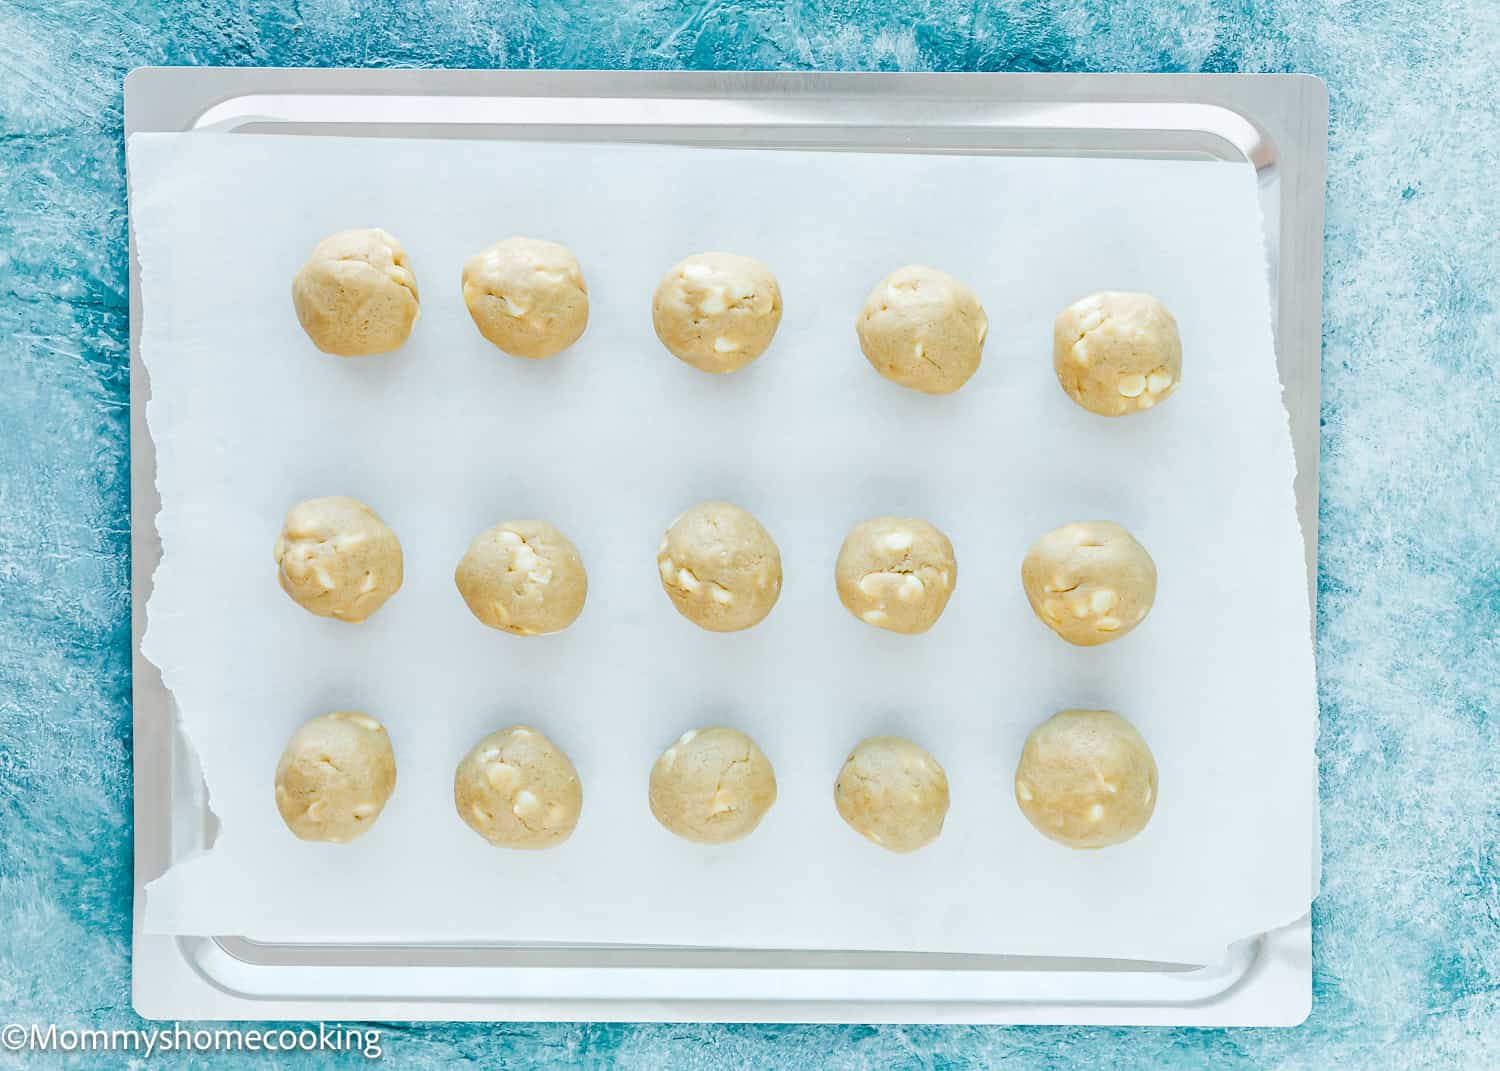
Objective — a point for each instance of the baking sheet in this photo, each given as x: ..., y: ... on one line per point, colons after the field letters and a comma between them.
x: 614, y: 438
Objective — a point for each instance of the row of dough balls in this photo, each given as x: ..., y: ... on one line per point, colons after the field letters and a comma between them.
x: 1090, y: 582
x: 1086, y: 779
x: 1114, y: 352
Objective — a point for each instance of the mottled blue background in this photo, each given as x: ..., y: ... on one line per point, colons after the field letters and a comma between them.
x: 1408, y: 926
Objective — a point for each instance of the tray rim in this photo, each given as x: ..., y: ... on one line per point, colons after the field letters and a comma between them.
x: 1269, y: 980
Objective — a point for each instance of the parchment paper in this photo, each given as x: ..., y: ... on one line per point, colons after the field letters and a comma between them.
x: 614, y: 438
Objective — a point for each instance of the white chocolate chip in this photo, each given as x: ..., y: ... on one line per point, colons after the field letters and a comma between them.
x: 721, y: 595
x: 519, y: 733
x: 1131, y: 386
x: 869, y: 585
x: 873, y: 617
x: 1103, y: 601
x: 324, y: 580
x: 540, y: 576
x: 364, y: 810
x: 368, y: 585
x: 351, y: 539
x: 1107, y: 624
x: 1096, y: 812
x: 1052, y: 609
x: 1148, y: 794
x: 898, y: 541
x: 1110, y: 787
x: 721, y: 803
x: 687, y: 580
x: 526, y: 804
x: 1023, y: 790
x: 668, y: 758
x: 1145, y: 401
x: 667, y: 567
x: 919, y: 351
x: 714, y: 302
x: 1157, y: 382
x: 508, y: 538
x: 687, y: 737
x: 1080, y: 610
x: 526, y: 560
x: 364, y: 721
x: 1091, y: 319
x: 724, y: 345
x: 911, y: 589
x: 1081, y: 352
x: 502, y: 775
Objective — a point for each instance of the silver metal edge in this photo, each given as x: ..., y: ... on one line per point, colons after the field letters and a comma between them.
x: 1292, y: 110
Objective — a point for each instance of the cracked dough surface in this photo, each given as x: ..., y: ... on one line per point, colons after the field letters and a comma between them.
x: 893, y: 793
x: 717, y: 311
x: 357, y: 294
x: 523, y: 577
x: 1086, y: 779
x: 1117, y: 353
x: 527, y: 296
x: 896, y: 573
x: 1090, y: 582
x: 517, y: 789
x: 335, y: 777
x: 336, y: 558
x: 712, y: 786
x: 923, y: 329
x: 720, y: 568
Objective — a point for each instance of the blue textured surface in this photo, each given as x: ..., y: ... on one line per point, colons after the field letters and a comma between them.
x: 1407, y: 930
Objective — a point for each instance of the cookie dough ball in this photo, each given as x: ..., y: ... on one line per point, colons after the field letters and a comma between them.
x: 717, y: 311
x: 720, y: 568
x: 712, y: 786
x: 1090, y: 582
x: 893, y: 793
x: 523, y: 577
x: 517, y: 789
x: 337, y: 559
x: 334, y: 777
x: 527, y: 296
x: 923, y: 329
x: 1086, y: 779
x: 896, y: 573
x: 1117, y: 353
x: 356, y: 295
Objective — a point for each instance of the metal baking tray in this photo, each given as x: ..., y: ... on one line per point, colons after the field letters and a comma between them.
x: 1277, y: 123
